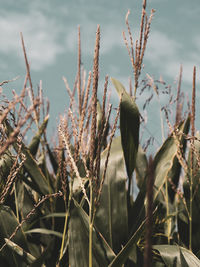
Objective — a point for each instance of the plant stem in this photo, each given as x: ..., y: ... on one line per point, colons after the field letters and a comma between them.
x: 167, y: 208
x: 192, y: 154
x: 148, y: 258
x: 16, y: 203
x: 91, y: 224
x: 191, y: 196
x: 190, y: 218
x: 66, y: 221
x: 63, y: 236
x: 135, y: 90
x: 162, y: 123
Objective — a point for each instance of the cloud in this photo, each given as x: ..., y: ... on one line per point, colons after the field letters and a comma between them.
x: 189, y: 13
x: 167, y: 55
x: 111, y: 37
x: 40, y: 35
x: 161, y: 47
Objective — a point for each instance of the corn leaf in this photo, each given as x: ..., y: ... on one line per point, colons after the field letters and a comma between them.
x: 183, y: 222
x: 112, y: 215
x: 79, y: 241
x: 35, y: 172
x: 129, y: 126
x: 164, y: 162
x: 125, y: 252
x: 31, y: 166
x: 52, y: 158
x: 56, y: 214
x: 183, y: 257
x: 44, y: 232
x: 26, y: 203
x: 175, y: 171
x: 141, y: 167
x: 6, y: 162
x: 27, y: 257
x: 8, y: 224
x: 33, y: 147
x: 45, y: 257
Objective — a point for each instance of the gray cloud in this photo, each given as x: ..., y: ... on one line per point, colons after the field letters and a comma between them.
x: 40, y: 34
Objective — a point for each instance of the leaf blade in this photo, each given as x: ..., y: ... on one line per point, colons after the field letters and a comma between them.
x: 129, y: 126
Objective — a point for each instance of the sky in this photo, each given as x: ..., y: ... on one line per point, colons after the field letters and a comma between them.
x: 49, y: 29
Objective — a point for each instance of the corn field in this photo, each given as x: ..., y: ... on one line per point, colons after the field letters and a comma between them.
x: 70, y: 202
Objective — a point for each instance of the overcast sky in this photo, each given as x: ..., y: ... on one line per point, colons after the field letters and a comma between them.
x: 50, y: 33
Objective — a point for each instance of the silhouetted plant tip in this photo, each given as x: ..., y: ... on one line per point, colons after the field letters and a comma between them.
x: 94, y: 99
x: 179, y: 104
x: 136, y: 53
x: 79, y: 71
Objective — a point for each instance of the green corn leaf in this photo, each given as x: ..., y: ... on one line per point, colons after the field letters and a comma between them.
x: 42, y: 164
x: 27, y: 257
x: 126, y: 251
x: 8, y: 224
x: 33, y: 147
x: 56, y: 214
x: 44, y: 232
x: 31, y: 166
x: 79, y: 241
x: 167, y: 167
x: 35, y: 172
x: 112, y: 216
x: 141, y: 167
x: 52, y: 158
x: 137, y: 208
x: 175, y: 171
x: 164, y: 162
x: 183, y: 221
x: 183, y: 257
x: 26, y: 202
x: 129, y: 126
x: 6, y: 162
x: 46, y: 256
x: 195, y: 174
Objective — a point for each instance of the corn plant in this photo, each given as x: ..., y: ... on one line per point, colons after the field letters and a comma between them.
x: 70, y: 203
